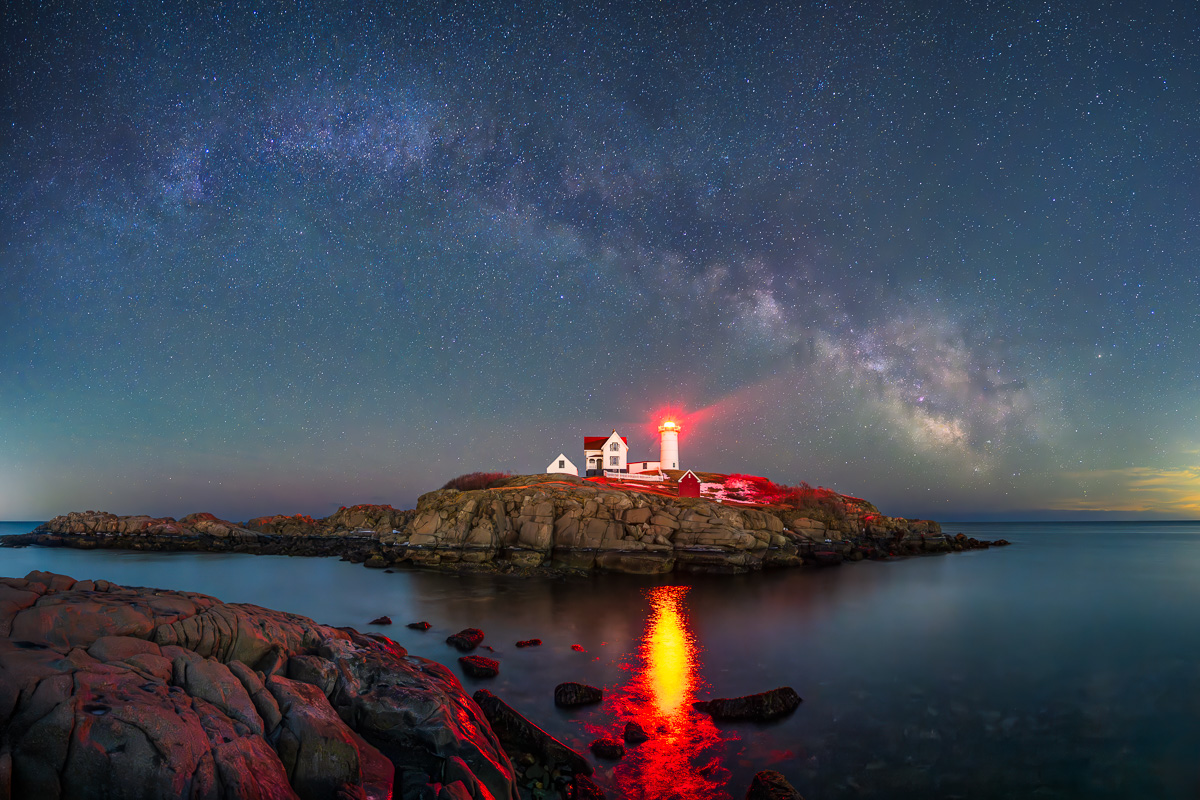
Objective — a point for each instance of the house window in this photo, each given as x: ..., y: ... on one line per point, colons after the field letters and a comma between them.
x: 562, y: 464
x: 614, y: 461
x: 614, y: 447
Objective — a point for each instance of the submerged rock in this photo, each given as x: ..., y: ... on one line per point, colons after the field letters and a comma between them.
x: 771, y: 785
x: 762, y: 706
x: 635, y: 733
x: 115, y: 692
x: 419, y: 626
x: 384, y: 620
x: 569, y: 695
x: 529, y: 643
x: 480, y: 667
x: 605, y: 747
x: 465, y: 640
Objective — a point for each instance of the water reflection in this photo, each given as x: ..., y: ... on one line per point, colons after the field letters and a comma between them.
x: 681, y: 760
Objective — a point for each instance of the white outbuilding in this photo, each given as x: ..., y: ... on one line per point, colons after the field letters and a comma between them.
x: 563, y: 465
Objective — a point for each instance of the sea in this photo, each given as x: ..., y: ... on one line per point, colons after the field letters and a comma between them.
x: 1064, y: 666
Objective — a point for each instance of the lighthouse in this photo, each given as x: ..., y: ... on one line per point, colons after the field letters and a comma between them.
x: 668, y: 436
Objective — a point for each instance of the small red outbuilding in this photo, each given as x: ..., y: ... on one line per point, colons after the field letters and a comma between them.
x: 689, y: 485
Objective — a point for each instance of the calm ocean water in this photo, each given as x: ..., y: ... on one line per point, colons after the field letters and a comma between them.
x: 1066, y: 666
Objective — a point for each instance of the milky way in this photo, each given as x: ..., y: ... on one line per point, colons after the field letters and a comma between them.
x: 291, y: 256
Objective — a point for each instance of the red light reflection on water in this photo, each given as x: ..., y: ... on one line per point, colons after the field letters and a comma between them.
x: 681, y: 760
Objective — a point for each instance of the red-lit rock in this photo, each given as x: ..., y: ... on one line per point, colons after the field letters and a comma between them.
x: 465, y: 640
x: 529, y: 643
x: 480, y: 667
x: 635, y: 733
x: 419, y: 626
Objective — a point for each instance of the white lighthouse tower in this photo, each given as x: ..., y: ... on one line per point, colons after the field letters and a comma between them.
x: 668, y: 436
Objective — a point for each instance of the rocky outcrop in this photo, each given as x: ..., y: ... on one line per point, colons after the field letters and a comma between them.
x: 539, y: 522
x: 115, y: 692
x: 529, y: 743
x: 758, y: 707
x: 771, y: 785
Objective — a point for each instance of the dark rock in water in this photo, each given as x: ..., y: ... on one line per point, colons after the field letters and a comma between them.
x: 634, y: 733
x: 569, y: 695
x: 389, y: 572
x: 1002, y: 543
x: 584, y: 788
x: 419, y: 626
x: 763, y: 706
x: 466, y: 640
x: 771, y: 785
x: 529, y: 643
x: 376, y: 561
x: 578, y: 648
x: 608, y: 748
x: 827, y: 558
x: 480, y: 667
x: 384, y: 620
x: 521, y: 737
x: 133, y: 692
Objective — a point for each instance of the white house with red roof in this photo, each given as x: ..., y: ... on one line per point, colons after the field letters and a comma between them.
x: 611, y: 454
x: 605, y: 453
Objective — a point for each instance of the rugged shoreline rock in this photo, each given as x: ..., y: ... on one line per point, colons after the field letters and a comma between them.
x: 118, y: 692
x: 532, y: 524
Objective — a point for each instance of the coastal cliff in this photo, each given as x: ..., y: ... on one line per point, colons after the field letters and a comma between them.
x: 537, y: 522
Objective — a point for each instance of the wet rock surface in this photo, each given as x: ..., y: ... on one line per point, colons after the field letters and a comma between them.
x: 635, y: 733
x: 570, y: 695
x: 771, y: 785
x: 465, y: 640
x: 543, y: 760
x: 605, y: 747
x: 115, y: 692
x: 480, y: 667
x: 759, y: 707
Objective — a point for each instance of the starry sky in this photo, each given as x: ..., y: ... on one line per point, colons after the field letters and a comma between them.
x: 286, y: 256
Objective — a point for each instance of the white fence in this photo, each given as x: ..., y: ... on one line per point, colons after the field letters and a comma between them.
x: 634, y: 476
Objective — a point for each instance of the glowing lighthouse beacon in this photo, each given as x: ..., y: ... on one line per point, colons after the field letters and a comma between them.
x: 668, y: 436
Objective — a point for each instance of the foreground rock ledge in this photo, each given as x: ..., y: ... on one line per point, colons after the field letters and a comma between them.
x: 116, y: 692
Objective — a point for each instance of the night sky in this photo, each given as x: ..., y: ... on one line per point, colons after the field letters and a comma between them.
x: 290, y: 256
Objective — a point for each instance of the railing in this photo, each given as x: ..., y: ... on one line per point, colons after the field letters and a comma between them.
x: 634, y: 476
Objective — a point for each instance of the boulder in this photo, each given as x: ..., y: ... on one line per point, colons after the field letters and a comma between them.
x: 569, y: 695
x: 529, y: 643
x: 419, y: 626
x: 465, y: 640
x: 480, y: 667
x: 316, y: 748
x: 520, y: 737
x: 771, y: 785
x: 384, y: 620
x: 635, y: 733
x: 608, y: 748
x: 759, y: 707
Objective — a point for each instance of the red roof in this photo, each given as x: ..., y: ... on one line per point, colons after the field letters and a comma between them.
x: 597, y: 442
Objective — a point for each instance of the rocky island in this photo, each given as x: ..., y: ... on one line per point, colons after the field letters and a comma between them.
x: 546, y: 522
